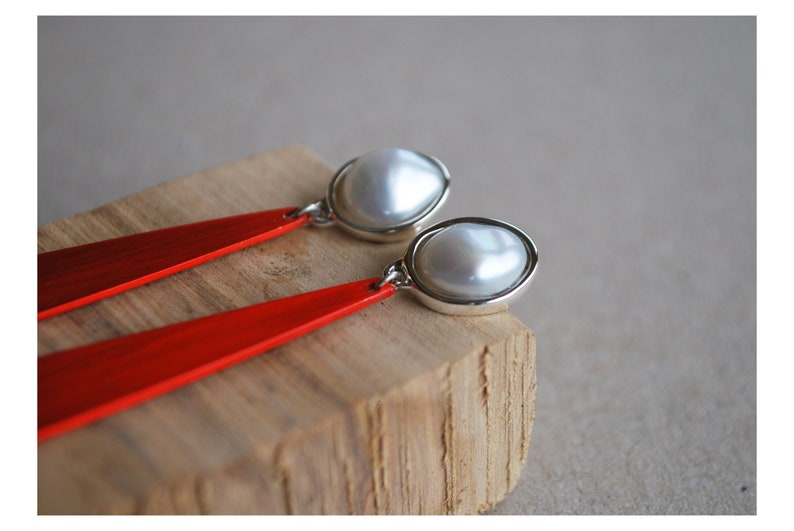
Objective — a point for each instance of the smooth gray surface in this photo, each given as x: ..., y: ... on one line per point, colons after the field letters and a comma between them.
x: 625, y: 147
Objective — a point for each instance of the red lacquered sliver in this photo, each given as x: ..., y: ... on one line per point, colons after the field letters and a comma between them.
x: 80, y: 386
x: 76, y: 276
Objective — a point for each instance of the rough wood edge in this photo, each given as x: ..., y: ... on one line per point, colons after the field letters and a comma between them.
x: 497, y: 381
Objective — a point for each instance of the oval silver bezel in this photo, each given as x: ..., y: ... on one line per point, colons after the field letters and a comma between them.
x: 460, y: 305
x: 401, y: 231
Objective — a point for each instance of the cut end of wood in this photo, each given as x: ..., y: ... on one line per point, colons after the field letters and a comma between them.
x: 450, y: 441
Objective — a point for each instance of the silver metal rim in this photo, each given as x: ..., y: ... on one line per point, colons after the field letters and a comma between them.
x: 388, y: 233
x: 448, y: 304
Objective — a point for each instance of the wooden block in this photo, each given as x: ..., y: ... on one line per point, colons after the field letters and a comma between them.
x: 394, y: 410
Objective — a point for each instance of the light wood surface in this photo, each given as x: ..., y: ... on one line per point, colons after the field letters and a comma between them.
x: 394, y: 410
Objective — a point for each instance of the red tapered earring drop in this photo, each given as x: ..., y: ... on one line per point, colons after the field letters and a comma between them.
x: 382, y: 196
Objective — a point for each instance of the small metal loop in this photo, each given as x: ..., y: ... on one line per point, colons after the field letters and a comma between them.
x: 392, y: 277
x: 318, y: 211
x: 394, y: 274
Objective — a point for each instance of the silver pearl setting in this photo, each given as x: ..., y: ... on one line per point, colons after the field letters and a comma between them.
x: 386, y: 194
x: 469, y: 265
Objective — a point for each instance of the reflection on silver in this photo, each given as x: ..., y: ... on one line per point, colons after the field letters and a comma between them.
x: 471, y: 261
x: 469, y: 265
x: 386, y: 193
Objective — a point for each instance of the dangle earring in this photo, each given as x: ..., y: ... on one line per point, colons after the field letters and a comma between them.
x: 384, y: 195
x: 461, y: 266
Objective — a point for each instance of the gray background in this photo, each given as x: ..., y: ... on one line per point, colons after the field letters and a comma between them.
x: 624, y: 146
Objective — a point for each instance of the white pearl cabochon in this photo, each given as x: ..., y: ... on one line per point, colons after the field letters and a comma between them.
x: 471, y: 261
x: 388, y: 188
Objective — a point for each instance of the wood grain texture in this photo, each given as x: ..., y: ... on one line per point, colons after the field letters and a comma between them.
x: 394, y: 410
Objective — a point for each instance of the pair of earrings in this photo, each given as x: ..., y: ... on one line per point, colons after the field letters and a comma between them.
x: 460, y: 266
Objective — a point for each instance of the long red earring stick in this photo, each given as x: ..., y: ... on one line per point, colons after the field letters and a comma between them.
x: 76, y: 276
x: 80, y: 386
